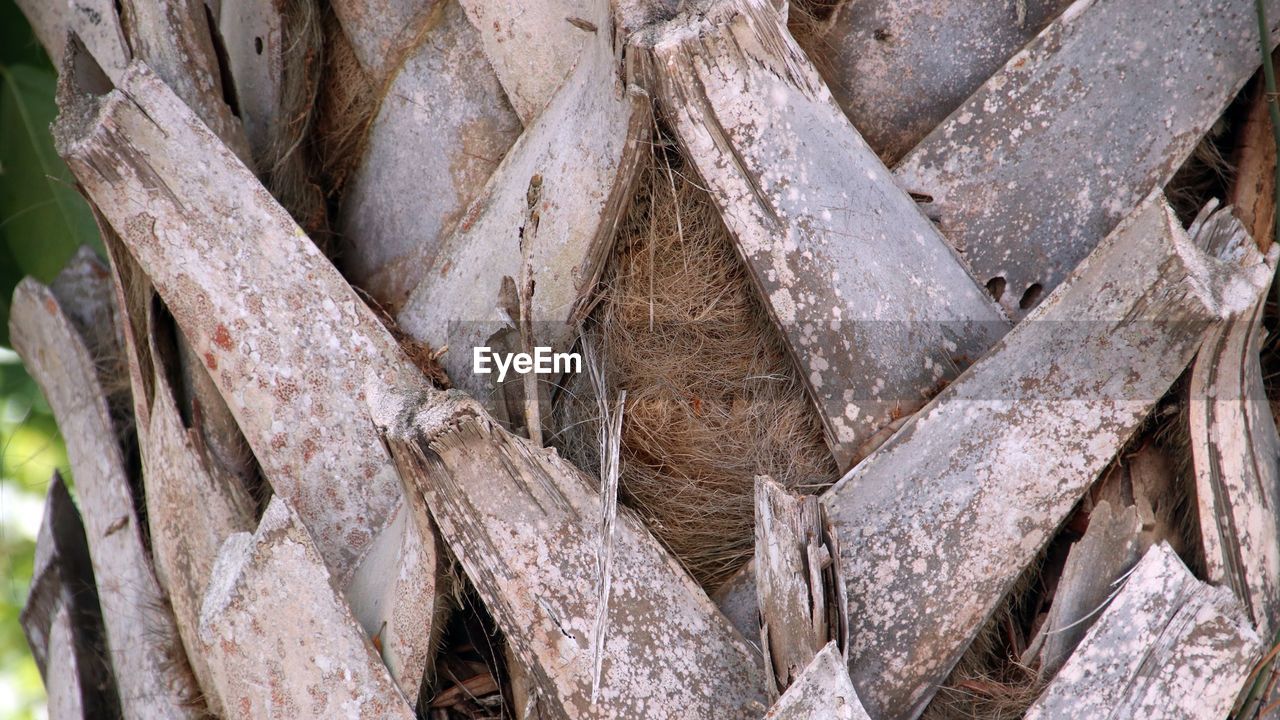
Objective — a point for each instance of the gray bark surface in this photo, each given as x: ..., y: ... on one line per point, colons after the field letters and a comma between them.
x: 553, y: 204
x: 998, y: 459
x: 140, y: 630
x: 235, y: 271
x: 281, y: 640
x: 1169, y: 646
x: 443, y: 126
x: 1053, y: 151
x: 878, y: 311
x: 823, y: 690
x: 525, y: 527
x: 899, y: 67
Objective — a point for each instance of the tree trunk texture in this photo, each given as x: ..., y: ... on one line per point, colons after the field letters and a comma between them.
x: 1104, y: 102
x: 233, y: 286
x: 1165, y: 611
x: 524, y: 524
x: 874, y: 333
x: 281, y: 511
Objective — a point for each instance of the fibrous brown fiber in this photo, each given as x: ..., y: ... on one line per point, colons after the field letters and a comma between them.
x: 712, y: 397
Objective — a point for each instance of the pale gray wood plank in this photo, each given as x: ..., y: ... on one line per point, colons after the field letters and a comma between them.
x: 939, y: 522
x: 1168, y: 647
x: 878, y: 311
x: 1039, y: 164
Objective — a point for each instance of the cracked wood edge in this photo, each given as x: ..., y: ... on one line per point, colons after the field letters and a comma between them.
x: 877, y: 310
x: 1128, y: 510
x: 95, y: 22
x: 1168, y: 646
x: 822, y: 690
x: 185, y: 544
x: 939, y: 522
x: 1236, y: 455
x: 524, y: 524
x: 800, y: 595
x: 1110, y: 547
x: 1112, y: 96
x: 140, y: 629
x: 583, y: 152
x: 442, y: 128
x: 174, y: 39
x: 532, y: 46
x: 283, y: 335
x: 899, y: 67
x: 62, y: 619
x: 281, y: 641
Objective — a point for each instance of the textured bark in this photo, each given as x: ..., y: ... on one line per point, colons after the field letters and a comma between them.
x: 801, y: 596
x: 184, y: 543
x: 524, y: 524
x: 876, y: 307
x: 64, y: 682
x: 442, y: 128
x: 1236, y: 452
x: 174, y: 39
x: 95, y: 22
x: 140, y: 630
x: 737, y: 599
x: 936, y: 525
x: 62, y: 619
x: 281, y: 641
x: 1109, y: 549
x: 1253, y: 192
x: 1169, y: 646
x: 823, y: 690
x: 1035, y: 168
x: 899, y: 67
x: 253, y: 34
x: 532, y: 46
x: 237, y: 274
x: 561, y: 191
x: 383, y: 31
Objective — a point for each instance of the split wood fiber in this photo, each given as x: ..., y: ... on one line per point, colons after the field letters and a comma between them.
x: 1168, y: 646
x: 1236, y: 452
x: 525, y: 527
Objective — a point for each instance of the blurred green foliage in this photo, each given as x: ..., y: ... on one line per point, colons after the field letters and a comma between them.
x: 42, y: 223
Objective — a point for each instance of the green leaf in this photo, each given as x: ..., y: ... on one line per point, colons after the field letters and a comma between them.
x: 18, y: 44
x: 43, y: 219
